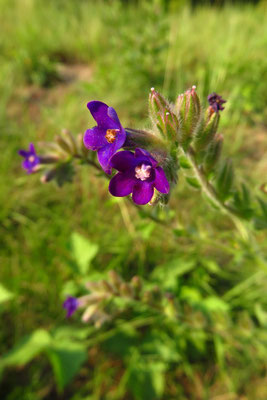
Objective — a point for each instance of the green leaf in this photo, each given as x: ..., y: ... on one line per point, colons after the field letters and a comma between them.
x: 64, y: 173
x: 84, y: 251
x: 260, y: 220
x: 225, y: 179
x: 27, y: 349
x: 72, y: 333
x: 191, y: 294
x: 261, y: 314
x: 5, y: 294
x: 66, y: 358
x: 242, y: 202
x: 146, y: 379
x: 159, y: 344
x: 193, y: 182
x: 213, y: 303
x: 70, y: 288
x: 219, y: 350
x: 166, y: 274
x: 184, y: 162
x: 122, y: 341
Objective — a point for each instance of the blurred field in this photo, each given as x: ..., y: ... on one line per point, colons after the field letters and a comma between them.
x: 55, y: 56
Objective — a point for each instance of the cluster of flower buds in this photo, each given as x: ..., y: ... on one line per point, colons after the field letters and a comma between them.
x: 110, y: 297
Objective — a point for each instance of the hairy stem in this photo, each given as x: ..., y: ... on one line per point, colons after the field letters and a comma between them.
x: 210, y: 192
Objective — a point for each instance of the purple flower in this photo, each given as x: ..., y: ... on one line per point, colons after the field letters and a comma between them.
x: 31, y: 159
x: 108, y: 136
x: 70, y: 305
x: 216, y: 102
x: 138, y: 174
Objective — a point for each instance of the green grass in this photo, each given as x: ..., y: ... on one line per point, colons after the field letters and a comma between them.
x: 123, y: 51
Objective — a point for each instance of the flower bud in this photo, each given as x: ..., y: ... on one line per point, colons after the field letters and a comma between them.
x: 126, y: 290
x: 148, y: 297
x: 100, y: 318
x: 89, y: 312
x: 49, y: 175
x: 157, y: 294
x: 93, y: 286
x: 70, y: 140
x: 137, y: 285
x: 213, y: 153
x: 163, y: 117
x: 64, y: 144
x: 171, y: 127
x: 55, y: 150
x: 206, y: 130
x: 90, y: 299
x: 157, y: 104
x: 49, y: 159
x: 188, y: 110
x: 107, y: 287
x: 136, y: 282
x: 115, y: 279
x: 84, y: 151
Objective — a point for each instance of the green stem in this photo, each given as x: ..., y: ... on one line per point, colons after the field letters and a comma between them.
x: 134, y: 323
x: 210, y: 192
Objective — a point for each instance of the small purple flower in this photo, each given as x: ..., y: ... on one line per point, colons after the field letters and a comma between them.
x: 108, y: 136
x: 31, y: 159
x: 216, y: 102
x: 70, y: 305
x: 139, y: 173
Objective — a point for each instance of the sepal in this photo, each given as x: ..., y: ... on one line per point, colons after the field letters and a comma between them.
x: 188, y: 111
x: 206, y: 130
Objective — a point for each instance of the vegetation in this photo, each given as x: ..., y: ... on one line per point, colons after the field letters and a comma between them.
x: 197, y: 329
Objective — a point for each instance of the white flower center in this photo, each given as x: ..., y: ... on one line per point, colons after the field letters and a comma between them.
x: 31, y: 159
x: 142, y: 172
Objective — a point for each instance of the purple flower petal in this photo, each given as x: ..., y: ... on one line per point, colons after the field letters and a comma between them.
x: 27, y: 165
x: 31, y: 159
x: 95, y: 138
x: 70, y: 305
x: 216, y: 102
x: 31, y: 148
x: 143, y: 192
x: 100, y: 111
x: 121, y: 184
x: 140, y: 153
x: 161, y: 183
x: 123, y: 160
x: 113, y: 115
x: 23, y: 153
x: 104, y: 154
x: 108, y: 136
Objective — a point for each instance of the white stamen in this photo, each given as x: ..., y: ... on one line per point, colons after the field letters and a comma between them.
x: 142, y: 172
x: 31, y: 158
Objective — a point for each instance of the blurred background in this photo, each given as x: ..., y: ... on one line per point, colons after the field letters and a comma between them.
x: 55, y: 56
